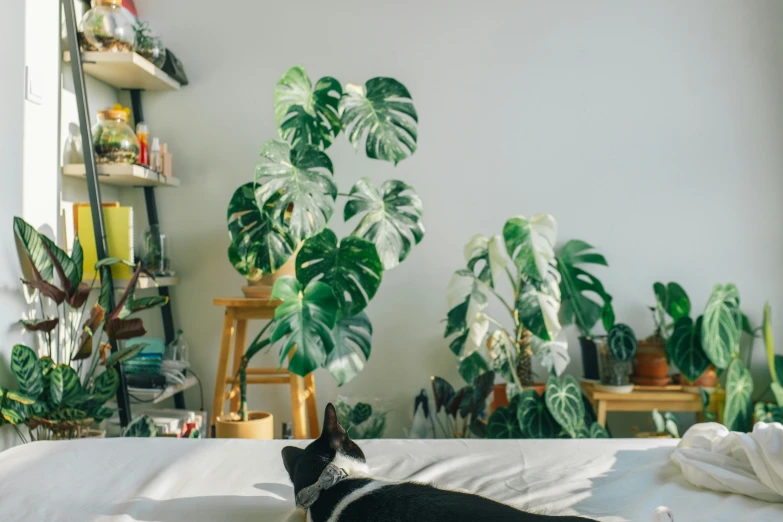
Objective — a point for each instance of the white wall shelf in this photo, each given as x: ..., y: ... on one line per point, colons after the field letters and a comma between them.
x: 124, y: 175
x: 125, y: 70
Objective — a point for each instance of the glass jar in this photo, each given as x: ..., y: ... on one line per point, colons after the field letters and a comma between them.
x: 107, y: 27
x: 149, y: 46
x: 113, y: 139
x: 155, y: 256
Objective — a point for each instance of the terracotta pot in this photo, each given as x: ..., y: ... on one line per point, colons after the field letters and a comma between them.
x: 500, y: 398
x: 650, y: 361
x: 262, y: 288
x: 651, y: 381
x: 259, y: 426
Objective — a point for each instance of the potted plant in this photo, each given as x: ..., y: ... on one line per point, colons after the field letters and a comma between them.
x: 361, y: 421
x: 764, y: 410
x: 615, y: 356
x: 521, y: 261
x: 560, y: 412
x: 584, y: 300
x: 62, y: 393
x: 667, y: 426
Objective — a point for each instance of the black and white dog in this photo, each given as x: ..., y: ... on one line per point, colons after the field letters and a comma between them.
x: 331, y: 483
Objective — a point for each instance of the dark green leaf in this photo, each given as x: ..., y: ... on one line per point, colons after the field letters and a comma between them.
x: 27, y: 369
x: 622, y: 342
x: 106, y: 289
x: 301, y: 176
x: 685, y: 349
x: 564, y: 401
x: 352, y: 343
x: 768, y: 413
x: 20, y: 397
x: 360, y: 413
x: 598, y: 432
x: 77, y: 256
x: 14, y: 412
x: 678, y: 304
x: 147, y: 303
x: 535, y: 420
x: 382, y: 111
x: 392, y: 220
x: 305, y: 321
x: 442, y: 391
x: 577, y: 286
x: 106, y: 384
x: 65, y: 387
x: 538, y: 311
x: 141, y: 426
x: 124, y: 329
x: 30, y: 240
x: 503, y: 424
x: 307, y: 115
x: 739, y: 390
x: 720, y: 332
x: 352, y: 270
x: 258, y: 245
x: 472, y: 366
x: 124, y: 354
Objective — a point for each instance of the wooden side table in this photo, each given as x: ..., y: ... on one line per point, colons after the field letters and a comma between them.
x: 648, y: 398
x: 239, y: 310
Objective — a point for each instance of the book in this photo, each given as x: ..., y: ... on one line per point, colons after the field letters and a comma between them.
x: 118, y: 222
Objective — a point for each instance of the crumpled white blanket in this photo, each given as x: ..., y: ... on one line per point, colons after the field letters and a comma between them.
x: 712, y: 457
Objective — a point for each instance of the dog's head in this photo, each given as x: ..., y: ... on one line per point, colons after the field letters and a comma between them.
x: 304, y: 466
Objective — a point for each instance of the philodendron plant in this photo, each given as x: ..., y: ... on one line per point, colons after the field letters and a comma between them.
x: 559, y: 413
x: 291, y: 201
x: 62, y: 391
x: 522, y: 262
x: 579, y: 288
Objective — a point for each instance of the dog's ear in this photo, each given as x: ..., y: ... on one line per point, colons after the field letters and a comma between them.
x: 290, y: 457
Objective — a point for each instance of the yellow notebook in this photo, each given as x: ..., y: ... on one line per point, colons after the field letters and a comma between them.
x: 118, y: 222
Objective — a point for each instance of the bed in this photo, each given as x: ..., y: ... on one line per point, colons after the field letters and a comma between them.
x: 170, y: 480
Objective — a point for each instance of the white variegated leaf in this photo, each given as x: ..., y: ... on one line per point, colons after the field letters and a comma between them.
x: 553, y: 355
x: 478, y: 328
x: 464, y: 285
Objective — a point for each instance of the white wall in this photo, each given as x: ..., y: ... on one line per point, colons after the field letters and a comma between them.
x: 651, y: 129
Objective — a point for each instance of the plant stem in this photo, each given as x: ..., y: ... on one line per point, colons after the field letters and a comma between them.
x: 500, y: 298
x: 511, y: 358
x: 43, y: 316
x: 243, y: 391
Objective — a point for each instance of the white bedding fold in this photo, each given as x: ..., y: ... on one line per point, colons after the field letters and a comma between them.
x: 712, y: 457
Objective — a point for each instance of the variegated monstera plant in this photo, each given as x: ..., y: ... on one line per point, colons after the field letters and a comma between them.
x: 520, y: 262
x: 64, y: 386
x: 289, y: 206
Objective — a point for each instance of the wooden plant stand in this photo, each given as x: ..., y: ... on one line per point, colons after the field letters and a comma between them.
x: 238, y: 311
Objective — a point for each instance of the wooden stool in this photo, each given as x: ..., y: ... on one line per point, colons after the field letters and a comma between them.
x: 238, y: 311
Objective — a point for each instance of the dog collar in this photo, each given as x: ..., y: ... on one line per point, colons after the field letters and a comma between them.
x: 329, y: 477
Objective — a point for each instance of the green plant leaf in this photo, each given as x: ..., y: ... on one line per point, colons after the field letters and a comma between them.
x: 352, y: 344
x: 27, y: 369
x: 146, y: 303
x: 535, y: 421
x: 77, y: 256
x: 14, y: 412
x: 777, y: 391
x: 503, y: 424
x: 70, y: 276
x: 472, y: 366
x: 352, y: 270
x: 360, y: 413
x: 124, y: 329
x: 769, y: 343
x: 538, y: 311
x: 678, y: 304
x: 721, y: 329
x: 564, y: 401
x: 105, y: 385
x: 685, y: 349
x: 392, y: 219
x: 598, y: 432
x: 123, y: 354
x: 104, y: 299
x: 577, y: 285
x: 530, y: 244
x: 141, y: 426
x: 258, y: 246
x: 466, y: 296
x: 382, y: 111
x: 30, y: 239
x: 20, y: 397
x: 40, y: 325
x: 768, y: 413
x: 65, y: 387
x: 622, y: 342
x: 304, y: 114
x: 499, y: 348
x: 301, y: 177
x: 739, y: 390
x: 658, y: 421
x: 474, y: 398
x: 552, y: 355
x: 304, y: 319
x: 607, y: 314
x: 443, y: 392
x: 491, y: 252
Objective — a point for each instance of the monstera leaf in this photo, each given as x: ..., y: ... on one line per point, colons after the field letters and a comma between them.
x: 301, y: 176
x: 685, y: 349
x: 739, y: 389
x: 721, y: 329
x: 352, y: 342
x: 304, y: 114
x: 552, y: 355
x: 352, y: 269
x: 304, y: 320
x: 502, y: 355
x: 535, y: 421
x: 258, y: 246
x: 491, y: 252
x: 673, y: 300
x: 27, y: 369
x: 503, y: 424
x: 577, y: 285
x: 466, y: 297
x: 33, y: 245
x: 472, y: 366
x: 392, y: 220
x: 538, y: 311
x: 530, y: 245
x: 622, y: 342
x: 382, y: 111
x: 564, y: 401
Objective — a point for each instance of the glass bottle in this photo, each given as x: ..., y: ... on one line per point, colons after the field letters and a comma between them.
x: 178, y: 348
x: 107, y: 27
x: 113, y: 139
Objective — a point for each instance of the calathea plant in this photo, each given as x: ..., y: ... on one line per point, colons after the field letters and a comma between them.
x: 291, y: 201
x: 522, y: 260
x: 62, y: 391
x: 560, y: 412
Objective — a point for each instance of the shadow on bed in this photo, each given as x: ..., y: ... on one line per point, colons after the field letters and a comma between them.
x: 209, y: 508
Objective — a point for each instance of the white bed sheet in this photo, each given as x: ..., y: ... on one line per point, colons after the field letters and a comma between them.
x: 169, y: 480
